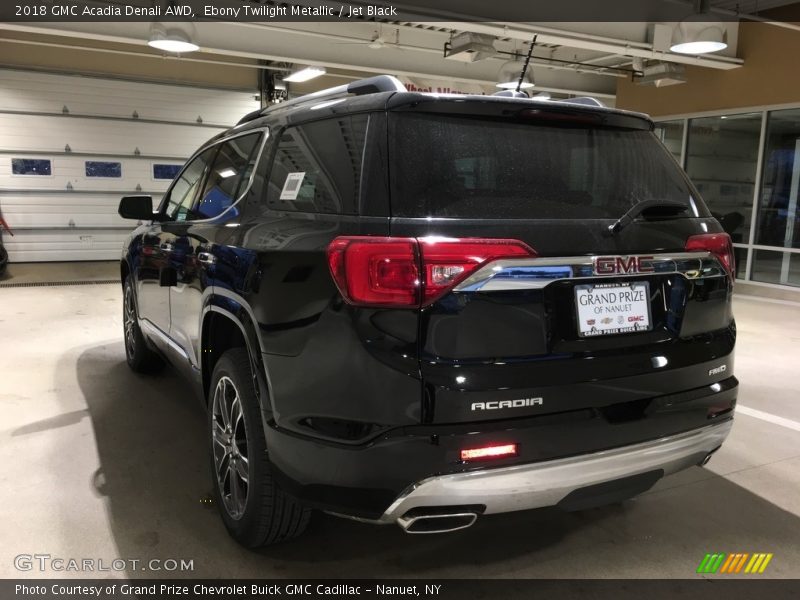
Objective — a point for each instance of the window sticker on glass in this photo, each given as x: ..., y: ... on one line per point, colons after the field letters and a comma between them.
x: 291, y: 187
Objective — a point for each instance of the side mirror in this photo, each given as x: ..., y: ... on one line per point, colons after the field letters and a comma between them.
x: 137, y: 207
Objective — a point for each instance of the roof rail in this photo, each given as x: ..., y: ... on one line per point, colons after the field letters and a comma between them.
x: 361, y: 87
x: 584, y: 100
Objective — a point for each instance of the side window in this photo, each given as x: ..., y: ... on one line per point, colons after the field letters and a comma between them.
x: 317, y: 166
x: 184, y: 190
x: 228, y: 177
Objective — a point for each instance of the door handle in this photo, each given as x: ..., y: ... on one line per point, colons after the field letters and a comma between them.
x: 167, y: 247
x: 206, y: 258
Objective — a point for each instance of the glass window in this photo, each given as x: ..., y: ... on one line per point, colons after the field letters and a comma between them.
x: 671, y: 135
x: 317, y: 167
x: 30, y: 166
x: 740, y: 259
x: 447, y: 166
x: 96, y: 168
x: 229, y: 176
x: 778, y: 216
x: 180, y: 198
x: 776, y: 267
x: 163, y: 171
x: 721, y: 160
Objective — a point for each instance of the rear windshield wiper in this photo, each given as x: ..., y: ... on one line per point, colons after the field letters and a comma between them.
x: 654, y: 208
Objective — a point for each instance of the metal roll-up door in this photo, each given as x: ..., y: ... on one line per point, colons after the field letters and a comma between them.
x: 71, y: 146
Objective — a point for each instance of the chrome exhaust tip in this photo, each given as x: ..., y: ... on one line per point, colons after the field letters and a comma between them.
x: 707, y: 457
x: 437, y: 523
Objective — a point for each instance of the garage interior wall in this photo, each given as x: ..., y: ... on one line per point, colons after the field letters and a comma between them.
x: 71, y: 146
x: 737, y: 134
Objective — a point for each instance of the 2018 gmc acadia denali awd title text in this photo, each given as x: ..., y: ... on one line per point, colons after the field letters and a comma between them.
x: 419, y: 309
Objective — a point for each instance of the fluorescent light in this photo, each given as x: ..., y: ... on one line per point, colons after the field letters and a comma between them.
x: 304, y: 74
x: 700, y: 47
x: 170, y: 40
x: 512, y: 85
x: 225, y: 173
x: 175, y: 46
x: 696, y: 36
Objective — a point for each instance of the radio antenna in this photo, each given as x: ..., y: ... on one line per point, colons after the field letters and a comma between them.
x: 527, y: 62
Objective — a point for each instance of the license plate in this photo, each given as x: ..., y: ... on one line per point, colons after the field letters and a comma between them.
x: 611, y: 308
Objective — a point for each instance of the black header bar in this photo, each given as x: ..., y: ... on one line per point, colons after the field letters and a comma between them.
x: 370, y: 10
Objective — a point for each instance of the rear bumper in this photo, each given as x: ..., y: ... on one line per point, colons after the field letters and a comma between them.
x: 536, y: 485
x: 367, y: 480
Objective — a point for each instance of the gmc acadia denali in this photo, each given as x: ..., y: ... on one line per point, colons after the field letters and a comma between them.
x: 419, y: 309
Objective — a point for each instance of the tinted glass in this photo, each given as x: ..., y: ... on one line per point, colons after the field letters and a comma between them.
x: 30, y: 166
x: 317, y: 167
x: 778, y: 213
x: 445, y: 166
x: 228, y: 177
x: 184, y: 190
x: 721, y: 158
x: 96, y: 168
x: 161, y: 171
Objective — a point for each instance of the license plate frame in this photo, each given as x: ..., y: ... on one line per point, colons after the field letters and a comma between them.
x: 635, y: 314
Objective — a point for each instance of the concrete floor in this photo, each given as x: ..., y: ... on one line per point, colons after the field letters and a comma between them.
x: 24, y: 273
x: 101, y: 463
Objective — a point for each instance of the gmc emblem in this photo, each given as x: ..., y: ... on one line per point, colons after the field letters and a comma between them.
x: 621, y: 265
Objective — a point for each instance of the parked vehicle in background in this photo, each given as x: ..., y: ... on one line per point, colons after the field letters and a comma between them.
x: 419, y: 309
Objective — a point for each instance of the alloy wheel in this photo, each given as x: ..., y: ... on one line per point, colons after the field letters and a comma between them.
x: 229, y: 437
x: 130, y: 321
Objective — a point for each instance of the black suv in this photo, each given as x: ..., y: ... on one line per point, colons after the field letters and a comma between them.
x: 418, y: 309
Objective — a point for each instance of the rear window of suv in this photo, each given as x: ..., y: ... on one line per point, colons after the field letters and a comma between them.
x: 444, y: 166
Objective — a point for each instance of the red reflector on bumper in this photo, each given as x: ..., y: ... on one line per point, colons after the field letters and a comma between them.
x: 489, y: 452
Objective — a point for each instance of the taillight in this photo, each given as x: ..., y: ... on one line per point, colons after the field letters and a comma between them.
x: 407, y: 272
x: 501, y: 451
x: 376, y: 271
x: 446, y: 262
x: 719, y: 244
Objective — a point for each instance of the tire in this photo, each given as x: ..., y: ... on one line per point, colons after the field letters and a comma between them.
x: 140, y: 358
x: 256, y: 512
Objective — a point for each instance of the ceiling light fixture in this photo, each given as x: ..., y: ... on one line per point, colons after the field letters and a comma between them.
x: 512, y: 77
x: 172, y: 40
x: 508, y: 77
x: 305, y: 74
x: 698, y: 34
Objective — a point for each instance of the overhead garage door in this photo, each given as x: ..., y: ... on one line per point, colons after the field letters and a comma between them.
x: 71, y: 146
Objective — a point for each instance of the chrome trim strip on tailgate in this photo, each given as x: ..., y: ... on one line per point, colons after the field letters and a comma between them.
x: 536, y: 485
x: 539, y: 272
